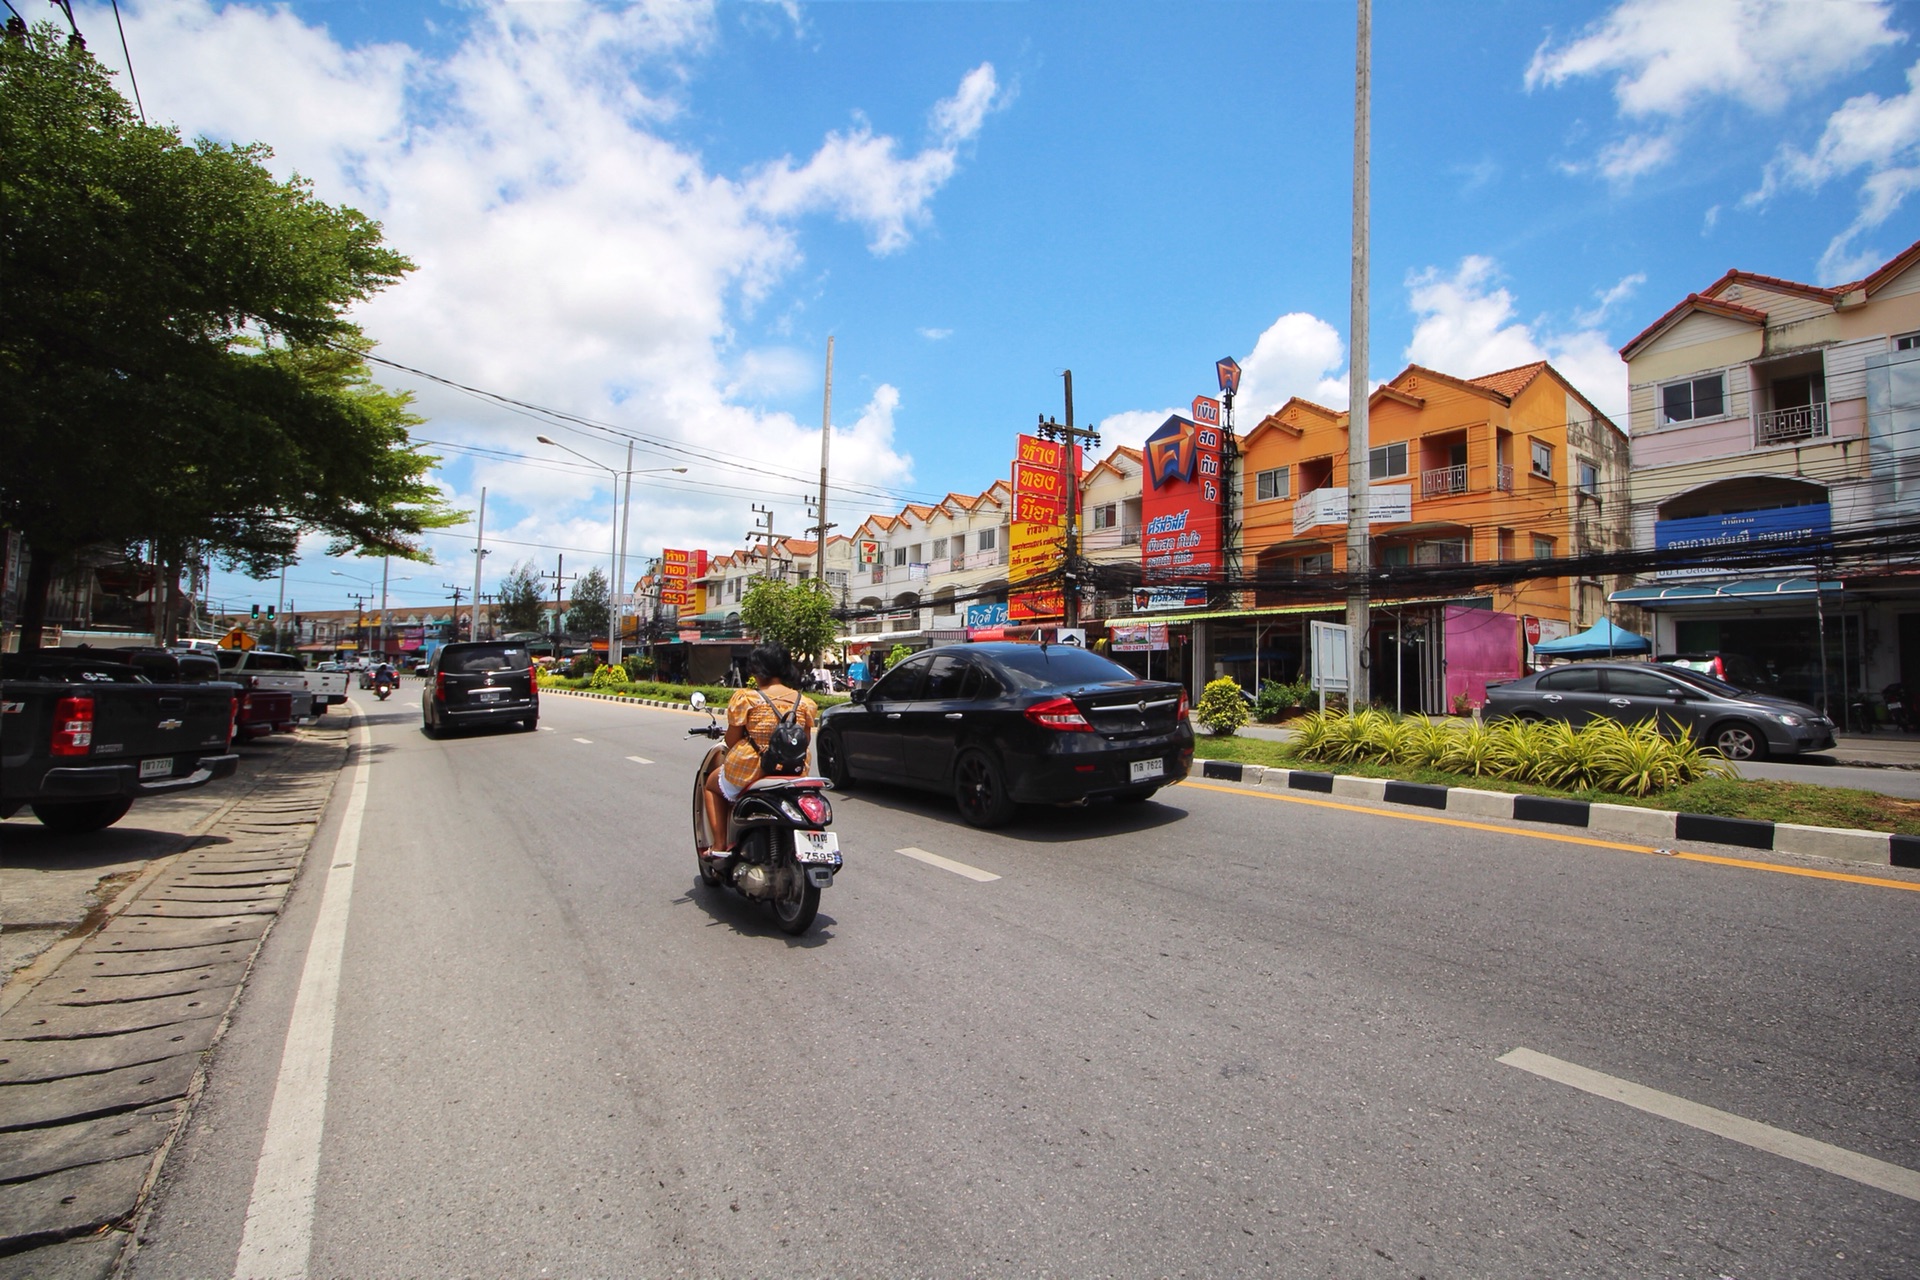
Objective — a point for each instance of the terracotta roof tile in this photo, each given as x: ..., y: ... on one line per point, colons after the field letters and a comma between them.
x: 1510, y: 382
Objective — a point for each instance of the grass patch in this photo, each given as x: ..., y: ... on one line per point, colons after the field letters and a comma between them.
x: 1807, y: 803
x: 717, y: 695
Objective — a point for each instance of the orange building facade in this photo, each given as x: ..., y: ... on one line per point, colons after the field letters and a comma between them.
x: 1510, y: 466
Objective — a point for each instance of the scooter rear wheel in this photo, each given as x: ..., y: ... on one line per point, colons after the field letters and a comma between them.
x: 795, y: 901
x: 708, y: 875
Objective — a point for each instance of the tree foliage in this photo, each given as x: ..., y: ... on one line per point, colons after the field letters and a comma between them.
x: 797, y: 615
x: 521, y: 607
x: 589, y: 611
x: 176, y: 367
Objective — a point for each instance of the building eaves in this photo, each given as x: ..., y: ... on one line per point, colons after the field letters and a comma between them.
x: 1685, y: 307
x: 1889, y: 270
x: 1511, y: 382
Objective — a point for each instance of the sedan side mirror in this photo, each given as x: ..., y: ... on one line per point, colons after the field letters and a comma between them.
x: 858, y: 693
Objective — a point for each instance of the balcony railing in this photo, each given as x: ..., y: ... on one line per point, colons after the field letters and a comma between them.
x: 1503, y: 478
x: 1442, y: 482
x: 1802, y: 422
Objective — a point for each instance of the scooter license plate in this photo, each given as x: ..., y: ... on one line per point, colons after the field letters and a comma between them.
x: 1142, y: 770
x: 818, y: 847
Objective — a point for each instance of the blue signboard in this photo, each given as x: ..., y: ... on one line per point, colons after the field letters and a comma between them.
x: 986, y: 615
x: 1740, y: 530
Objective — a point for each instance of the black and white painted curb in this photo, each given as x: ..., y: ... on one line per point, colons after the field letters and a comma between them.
x: 670, y: 703
x: 1651, y: 825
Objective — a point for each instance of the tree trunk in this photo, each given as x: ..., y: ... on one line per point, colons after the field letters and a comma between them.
x: 167, y: 625
x: 33, y: 601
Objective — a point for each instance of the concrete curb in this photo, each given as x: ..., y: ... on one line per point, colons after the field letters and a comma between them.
x: 668, y: 703
x: 1630, y: 821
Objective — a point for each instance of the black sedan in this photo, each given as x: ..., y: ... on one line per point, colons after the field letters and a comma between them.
x: 1742, y: 724
x: 995, y: 725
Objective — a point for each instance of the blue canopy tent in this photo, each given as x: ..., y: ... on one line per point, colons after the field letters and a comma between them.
x: 1601, y: 640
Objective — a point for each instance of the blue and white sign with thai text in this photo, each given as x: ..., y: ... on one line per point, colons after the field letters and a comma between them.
x: 1741, y: 531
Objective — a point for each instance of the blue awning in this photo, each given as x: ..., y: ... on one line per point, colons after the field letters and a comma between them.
x: 1601, y: 640
x: 1745, y: 590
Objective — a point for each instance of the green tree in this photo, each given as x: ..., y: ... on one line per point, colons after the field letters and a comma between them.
x: 521, y: 607
x: 797, y: 615
x: 589, y: 610
x: 176, y: 368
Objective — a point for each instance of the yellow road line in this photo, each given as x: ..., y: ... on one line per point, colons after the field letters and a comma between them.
x: 1810, y: 872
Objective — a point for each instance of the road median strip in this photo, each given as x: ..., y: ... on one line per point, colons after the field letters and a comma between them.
x: 1878, y: 848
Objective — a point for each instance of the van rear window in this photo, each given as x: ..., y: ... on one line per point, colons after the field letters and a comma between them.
x: 482, y: 658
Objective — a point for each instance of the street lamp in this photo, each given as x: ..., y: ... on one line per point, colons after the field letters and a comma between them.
x: 622, y: 506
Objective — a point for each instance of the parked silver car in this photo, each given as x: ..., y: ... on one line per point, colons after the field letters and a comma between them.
x: 1742, y: 724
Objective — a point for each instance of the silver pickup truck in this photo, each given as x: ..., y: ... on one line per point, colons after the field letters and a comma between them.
x: 270, y: 672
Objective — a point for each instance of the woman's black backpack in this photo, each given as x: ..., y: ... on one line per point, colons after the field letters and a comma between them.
x: 786, y: 749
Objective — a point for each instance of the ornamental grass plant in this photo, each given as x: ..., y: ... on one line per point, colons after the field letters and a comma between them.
x: 1603, y: 755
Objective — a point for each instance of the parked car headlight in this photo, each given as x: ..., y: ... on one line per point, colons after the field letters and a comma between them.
x: 1789, y: 719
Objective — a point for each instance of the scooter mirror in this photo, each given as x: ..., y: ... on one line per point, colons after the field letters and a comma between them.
x: 699, y: 700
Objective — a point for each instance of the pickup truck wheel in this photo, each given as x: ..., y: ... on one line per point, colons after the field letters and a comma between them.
x: 81, y: 816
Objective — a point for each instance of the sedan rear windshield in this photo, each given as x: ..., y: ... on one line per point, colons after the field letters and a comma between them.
x: 1055, y: 665
x: 480, y: 659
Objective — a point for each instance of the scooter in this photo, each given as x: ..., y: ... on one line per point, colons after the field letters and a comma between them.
x: 381, y: 688
x: 783, y: 854
x: 1900, y: 710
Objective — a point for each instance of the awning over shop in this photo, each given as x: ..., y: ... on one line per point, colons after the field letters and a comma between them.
x: 1278, y: 611
x: 1601, y: 640
x: 1747, y: 590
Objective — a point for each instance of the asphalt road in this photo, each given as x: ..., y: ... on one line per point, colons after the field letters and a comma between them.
x: 1225, y: 1033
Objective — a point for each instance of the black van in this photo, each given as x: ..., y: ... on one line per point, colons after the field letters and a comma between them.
x: 480, y: 682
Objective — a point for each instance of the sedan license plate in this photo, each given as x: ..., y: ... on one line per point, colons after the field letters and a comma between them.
x: 821, y: 847
x: 161, y: 768
x: 1145, y: 769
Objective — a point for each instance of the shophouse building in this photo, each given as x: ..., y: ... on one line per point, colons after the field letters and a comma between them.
x: 917, y: 571
x: 1494, y: 470
x: 1765, y: 409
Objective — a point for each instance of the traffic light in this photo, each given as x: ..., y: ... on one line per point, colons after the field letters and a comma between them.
x: 270, y: 609
x: 256, y: 611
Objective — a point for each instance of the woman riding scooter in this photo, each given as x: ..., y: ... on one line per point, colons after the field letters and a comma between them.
x: 384, y: 681
x: 752, y: 715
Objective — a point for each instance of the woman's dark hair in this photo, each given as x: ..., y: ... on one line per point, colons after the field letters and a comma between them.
x: 773, y: 662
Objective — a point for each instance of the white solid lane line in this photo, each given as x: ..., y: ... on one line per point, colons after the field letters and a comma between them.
x: 639, y: 759
x: 948, y: 864
x: 1764, y: 1137
x: 279, y: 1228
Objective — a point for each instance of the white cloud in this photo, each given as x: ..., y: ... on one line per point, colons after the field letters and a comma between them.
x: 1468, y: 327
x: 1878, y: 135
x: 1298, y: 355
x: 570, y: 253
x: 1611, y: 298
x: 1668, y: 58
x: 936, y: 335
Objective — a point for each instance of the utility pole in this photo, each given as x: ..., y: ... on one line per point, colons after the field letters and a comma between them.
x: 765, y: 537
x: 559, y: 579
x: 479, y: 558
x: 457, y: 592
x: 820, y: 510
x: 359, y: 607
x: 818, y: 529
x: 1070, y: 437
x: 386, y: 566
x: 1359, y: 524
x: 616, y: 632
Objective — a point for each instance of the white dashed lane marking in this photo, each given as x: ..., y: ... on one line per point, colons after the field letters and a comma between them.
x: 1763, y: 1137
x: 639, y: 759
x: 585, y: 742
x: 948, y: 864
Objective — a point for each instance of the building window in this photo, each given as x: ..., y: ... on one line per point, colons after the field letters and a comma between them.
x: 1269, y: 485
x: 1506, y: 544
x: 1387, y: 461
x: 915, y: 557
x: 1391, y: 556
x: 1907, y: 342
x: 939, y: 548
x: 1107, y: 516
x: 900, y: 557
x: 1322, y: 563
x: 1542, y: 548
x: 1443, y: 551
x: 1695, y: 398
x: 1590, y: 479
x: 986, y: 539
x: 1543, y: 459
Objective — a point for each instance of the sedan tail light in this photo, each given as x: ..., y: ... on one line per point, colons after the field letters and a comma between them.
x: 1059, y: 714
x: 1181, y: 714
x: 72, y: 727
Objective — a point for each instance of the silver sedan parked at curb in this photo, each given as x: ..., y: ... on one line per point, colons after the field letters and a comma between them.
x: 1742, y: 724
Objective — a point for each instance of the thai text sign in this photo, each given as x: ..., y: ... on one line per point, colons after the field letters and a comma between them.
x: 1386, y: 504
x: 680, y: 575
x: 1181, y: 503
x: 1036, y: 545
x: 1137, y: 637
x: 1806, y: 526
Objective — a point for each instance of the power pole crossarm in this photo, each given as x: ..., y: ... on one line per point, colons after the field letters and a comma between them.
x: 1071, y: 437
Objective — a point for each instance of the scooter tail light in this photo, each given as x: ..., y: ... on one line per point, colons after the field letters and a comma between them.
x: 72, y: 727
x: 815, y: 806
x: 1059, y: 714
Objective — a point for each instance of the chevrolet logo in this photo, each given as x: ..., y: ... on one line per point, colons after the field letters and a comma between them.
x: 171, y: 724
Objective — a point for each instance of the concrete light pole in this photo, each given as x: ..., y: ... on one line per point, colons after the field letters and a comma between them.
x: 1359, y: 479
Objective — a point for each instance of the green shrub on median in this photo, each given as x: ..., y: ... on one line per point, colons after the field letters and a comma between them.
x: 1604, y: 755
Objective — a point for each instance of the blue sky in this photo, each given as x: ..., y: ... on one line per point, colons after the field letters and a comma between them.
x: 654, y: 215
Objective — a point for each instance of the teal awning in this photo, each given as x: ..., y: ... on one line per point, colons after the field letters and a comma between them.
x: 1601, y: 640
x: 1744, y: 590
